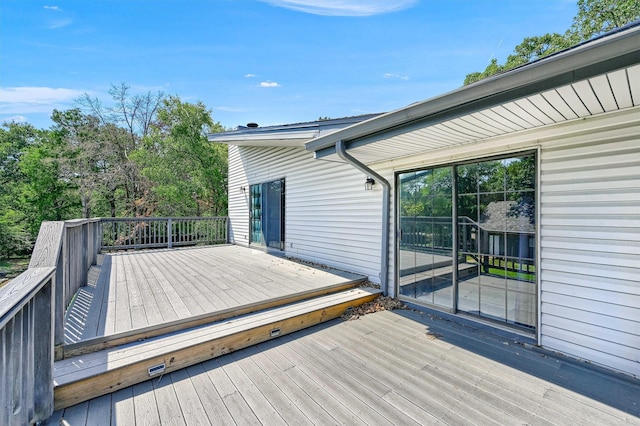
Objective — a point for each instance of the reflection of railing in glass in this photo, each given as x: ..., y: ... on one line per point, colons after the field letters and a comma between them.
x: 493, y: 249
x: 426, y: 233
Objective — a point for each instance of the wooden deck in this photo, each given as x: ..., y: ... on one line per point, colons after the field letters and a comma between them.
x: 141, y: 289
x: 399, y: 367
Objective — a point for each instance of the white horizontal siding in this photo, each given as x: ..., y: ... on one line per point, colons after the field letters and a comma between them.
x: 589, y: 220
x: 589, y: 230
x: 238, y: 201
x: 590, y: 247
x: 329, y: 217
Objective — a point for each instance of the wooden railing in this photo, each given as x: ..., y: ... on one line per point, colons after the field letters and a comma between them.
x: 32, y: 317
x: 159, y: 232
x: 33, y: 305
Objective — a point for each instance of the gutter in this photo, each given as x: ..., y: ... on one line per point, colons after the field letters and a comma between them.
x: 386, y: 198
x: 609, y: 52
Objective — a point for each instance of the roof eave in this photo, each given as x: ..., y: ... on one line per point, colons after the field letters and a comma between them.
x: 590, y: 59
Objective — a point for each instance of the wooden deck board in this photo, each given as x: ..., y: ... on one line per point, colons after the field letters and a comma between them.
x: 145, y: 404
x: 448, y: 393
x: 99, y: 411
x: 122, y: 407
x: 236, y: 404
x: 169, y: 409
x: 132, y: 290
x: 445, y: 404
x: 390, y: 357
x: 273, y: 395
x: 211, y: 400
x: 259, y: 404
x: 311, y: 363
x: 457, y: 375
x: 312, y: 410
x: 95, y: 363
x: 190, y: 404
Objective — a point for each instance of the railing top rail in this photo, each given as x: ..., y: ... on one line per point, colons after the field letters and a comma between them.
x: 151, y: 218
x: 20, y: 290
x: 72, y: 223
x: 48, y: 244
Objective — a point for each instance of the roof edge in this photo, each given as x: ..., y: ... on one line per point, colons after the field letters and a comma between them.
x: 607, y: 53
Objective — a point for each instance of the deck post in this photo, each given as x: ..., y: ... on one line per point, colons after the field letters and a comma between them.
x: 169, y: 233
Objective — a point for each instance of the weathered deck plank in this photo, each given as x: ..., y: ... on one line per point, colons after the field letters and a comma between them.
x: 211, y: 400
x: 169, y: 409
x: 133, y: 290
x: 145, y: 404
x: 390, y: 362
x: 193, y: 411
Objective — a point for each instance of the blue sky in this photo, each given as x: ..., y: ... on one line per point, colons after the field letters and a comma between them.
x: 264, y: 61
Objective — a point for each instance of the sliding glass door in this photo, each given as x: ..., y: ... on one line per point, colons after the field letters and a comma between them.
x: 267, y: 214
x: 497, y: 234
x: 491, y: 268
x: 426, y: 238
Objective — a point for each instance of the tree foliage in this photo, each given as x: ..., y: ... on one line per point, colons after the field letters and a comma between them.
x: 189, y: 172
x: 139, y: 155
x: 594, y: 17
x: 31, y: 188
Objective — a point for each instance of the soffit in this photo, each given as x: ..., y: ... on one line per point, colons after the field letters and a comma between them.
x: 616, y: 90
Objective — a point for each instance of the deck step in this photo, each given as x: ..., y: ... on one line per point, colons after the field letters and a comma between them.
x: 117, y: 339
x: 94, y: 374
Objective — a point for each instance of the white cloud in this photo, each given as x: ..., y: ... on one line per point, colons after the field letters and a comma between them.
x: 56, y: 8
x: 250, y: 75
x: 59, y: 24
x: 396, y: 76
x: 21, y: 100
x: 343, y: 7
x: 269, y: 84
x: 14, y: 119
x: 229, y: 109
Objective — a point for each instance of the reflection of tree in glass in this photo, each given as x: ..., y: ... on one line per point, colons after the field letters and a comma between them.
x: 426, y: 193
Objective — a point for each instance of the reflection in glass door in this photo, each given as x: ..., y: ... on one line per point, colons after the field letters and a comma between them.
x: 426, y: 228
x: 267, y: 214
x: 492, y: 263
x: 496, y: 233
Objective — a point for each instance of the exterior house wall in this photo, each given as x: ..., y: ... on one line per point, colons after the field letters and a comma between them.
x: 588, y: 227
x: 590, y: 247
x: 329, y: 217
x: 588, y: 231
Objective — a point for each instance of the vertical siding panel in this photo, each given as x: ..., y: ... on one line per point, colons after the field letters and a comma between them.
x: 590, y: 250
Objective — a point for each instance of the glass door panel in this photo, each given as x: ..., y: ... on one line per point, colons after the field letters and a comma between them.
x: 496, y: 237
x: 255, y: 214
x: 273, y: 216
x: 426, y: 246
x: 267, y: 214
x: 493, y: 259
x: 408, y: 234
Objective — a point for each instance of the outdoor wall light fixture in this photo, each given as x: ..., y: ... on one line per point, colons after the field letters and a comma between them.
x: 368, y: 184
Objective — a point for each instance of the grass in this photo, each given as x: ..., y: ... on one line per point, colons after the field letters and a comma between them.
x: 520, y: 276
x: 13, y: 267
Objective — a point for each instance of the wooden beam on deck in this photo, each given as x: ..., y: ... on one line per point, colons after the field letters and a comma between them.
x: 82, y: 378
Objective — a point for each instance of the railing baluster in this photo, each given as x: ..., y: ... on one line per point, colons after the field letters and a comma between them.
x: 137, y: 233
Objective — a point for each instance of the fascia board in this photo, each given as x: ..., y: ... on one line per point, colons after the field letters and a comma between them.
x: 590, y: 59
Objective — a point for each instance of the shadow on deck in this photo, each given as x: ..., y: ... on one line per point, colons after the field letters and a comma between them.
x: 130, y: 293
x: 402, y: 367
x: 147, y: 313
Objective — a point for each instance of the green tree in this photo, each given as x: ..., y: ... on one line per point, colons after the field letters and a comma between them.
x: 15, y: 138
x: 599, y: 16
x: 123, y: 127
x: 45, y: 195
x: 594, y: 17
x: 31, y: 187
x: 188, y: 172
